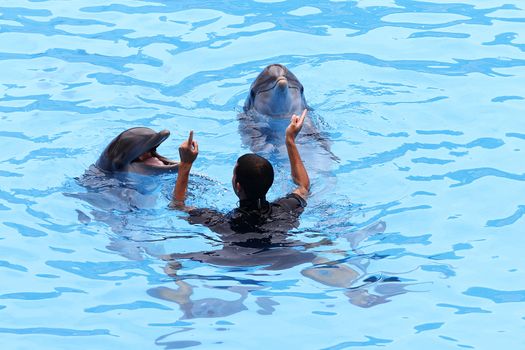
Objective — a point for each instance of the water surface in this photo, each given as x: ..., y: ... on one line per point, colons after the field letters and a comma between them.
x: 422, y: 102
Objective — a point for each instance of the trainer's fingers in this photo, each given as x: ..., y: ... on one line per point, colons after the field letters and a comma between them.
x: 195, y: 147
x: 303, y: 115
x: 190, y: 138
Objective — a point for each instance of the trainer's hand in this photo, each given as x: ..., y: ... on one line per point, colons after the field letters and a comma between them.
x: 189, y: 150
x: 296, y: 124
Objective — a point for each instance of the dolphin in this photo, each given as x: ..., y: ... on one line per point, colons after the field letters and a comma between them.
x: 275, y: 95
x: 135, y: 151
x: 276, y: 92
x: 118, y: 186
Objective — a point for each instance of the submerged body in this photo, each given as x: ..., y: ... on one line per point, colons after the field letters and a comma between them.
x: 253, y: 235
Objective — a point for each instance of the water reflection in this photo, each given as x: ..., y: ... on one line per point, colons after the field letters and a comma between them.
x: 125, y: 204
x: 201, y: 308
x: 348, y: 273
x: 133, y: 206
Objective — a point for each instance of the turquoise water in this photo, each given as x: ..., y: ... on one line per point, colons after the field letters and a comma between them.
x: 423, y: 103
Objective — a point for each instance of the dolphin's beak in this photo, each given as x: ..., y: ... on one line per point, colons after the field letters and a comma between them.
x: 159, y: 138
x: 163, y: 135
x: 282, y: 83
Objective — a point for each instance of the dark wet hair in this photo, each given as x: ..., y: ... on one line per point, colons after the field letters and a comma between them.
x: 255, y: 174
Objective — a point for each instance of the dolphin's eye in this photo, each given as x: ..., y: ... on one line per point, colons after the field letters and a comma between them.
x: 269, y: 85
x: 293, y: 81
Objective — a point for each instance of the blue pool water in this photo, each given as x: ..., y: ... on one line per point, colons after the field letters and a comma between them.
x: 424, y: 106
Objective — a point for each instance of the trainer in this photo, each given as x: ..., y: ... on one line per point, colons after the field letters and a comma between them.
x: 252, y: 178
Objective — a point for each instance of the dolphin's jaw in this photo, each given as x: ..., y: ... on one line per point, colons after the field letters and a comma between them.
x: 154, y: 161
x: 156, y: 164
x: 148, y: 169
x: 281, y: 101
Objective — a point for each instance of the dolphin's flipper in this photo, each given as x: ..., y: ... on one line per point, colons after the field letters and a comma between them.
x: 331, y: 274
x: 180, y: 296
x: 356, y: 237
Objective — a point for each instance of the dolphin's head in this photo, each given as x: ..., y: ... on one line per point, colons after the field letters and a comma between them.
x: 135, y: 150
x: 276, y: 92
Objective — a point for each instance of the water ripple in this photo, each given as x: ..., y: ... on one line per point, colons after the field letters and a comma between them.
x: 137, y: 305
x: 63, y: 332
x: 411, y: 94
x: 372, y: 341
x: 45, y: 153
x: 468, y: 176
x: 518, y: 214
x: 428, y: 326
x: 388, y: 156
x: 15, y: 267
x: 463, y: 310
x: 25, y: 230
x: 39, y: 296
x: 497, y: 296
x: 81, y: 56
x: 101, y: 270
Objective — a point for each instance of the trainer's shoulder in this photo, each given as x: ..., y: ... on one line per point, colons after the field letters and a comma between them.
x: 205, y: 216
x: 291, y: 201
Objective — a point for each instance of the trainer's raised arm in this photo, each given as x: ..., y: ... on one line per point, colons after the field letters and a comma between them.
x: 188, y: 151
x: 299, y: 174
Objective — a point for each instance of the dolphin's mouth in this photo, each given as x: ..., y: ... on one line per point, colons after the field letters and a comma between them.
x: 153, y: 159
x: 135, y: 150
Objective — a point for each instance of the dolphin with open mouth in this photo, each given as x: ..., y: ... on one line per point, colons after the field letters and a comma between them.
x: 119, y: 183
x: 135, y: 150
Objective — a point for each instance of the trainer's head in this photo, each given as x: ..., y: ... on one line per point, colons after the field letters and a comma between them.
x: 252, y: 177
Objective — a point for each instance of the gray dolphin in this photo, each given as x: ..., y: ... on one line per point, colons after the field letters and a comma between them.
x: 274, y: 96
x: 135, y: 150
x: 276, y: 92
